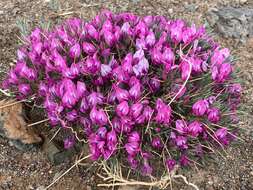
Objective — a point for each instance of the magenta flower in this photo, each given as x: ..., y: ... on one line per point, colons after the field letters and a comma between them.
x: 42, y: 89
x: 147, y: 113
x: 101, y: 132
x: 98, y: 116
x: 101, y: 118
x: 168, y: 58
x: 200, y: 107
x: 181, y: 126
x: 150, y: 39
x: 134, y: 137
x: 132, y: 162
x: 156, y: 143
x: 211, y: 99
x: 24, y: 89
x: 95, y: 98
x: 122, y: 109
x: 109, y: 38
x: 155, y: 83
x: 184, y: 160
x: 146, y: 168
x: 181, y: 142
x: 213, y: 115
x: 170, y: 163
x: 105, y: 70
x: 111, y: 137
x: 176, y: 31
x: 221, y: 133
x: 163, y: 112
x: 75, y: 51
x: 121, y: 94
x: 132, y: 148
x: 127, y: 63
x: 235, y: 89
x: 142, y: 67
x: 224, y: 72
x: 136, y: 109
x: 81, y: 88
x: 59, y: 61
x: 21, y: 54
x: 69, y: 99
x: 92, y: 32
x: 135, y: 91
x: 72, y: 115
x: 195, y: 128
x: 219, y: 56
x: 126, y: 29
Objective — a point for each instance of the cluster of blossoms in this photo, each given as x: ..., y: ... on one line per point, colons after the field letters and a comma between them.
x: 137, y: 86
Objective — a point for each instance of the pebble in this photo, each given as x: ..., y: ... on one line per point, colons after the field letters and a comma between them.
x: 170, y: 11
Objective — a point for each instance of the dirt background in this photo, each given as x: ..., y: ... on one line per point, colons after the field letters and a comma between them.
x: 31, y: 170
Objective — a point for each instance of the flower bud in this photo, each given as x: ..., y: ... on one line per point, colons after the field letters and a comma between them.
x: 150, y: 39
x: 72, y: 115
x: 111, y: 137
x: 134, y: 137
x: 181, y: 142
x: 132, y: 148
x: 101, y: 132
x: 81, y: 88
x: 135, y: 91
x: 105, y: 70
x: 89, y: 48
x: 75, y: 51
x: 136, y: 109
x: 200, y: 107
x: 181, y: 126
x: 170, y: 163
x: 147, y: 113
x: 213, y: 115
x: 127, y: 63
x: 184, y: 160
x: 163, y: 112
x: 121, y: 94
x: 122, y: 109
x: 154, y: 84
x: 156, y: 143
x: 24, y: 89
x: 132, y: 162
x: 93, y: 33
x: 195, y: 128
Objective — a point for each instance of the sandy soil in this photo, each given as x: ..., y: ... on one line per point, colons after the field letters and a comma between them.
x: 32, y: 170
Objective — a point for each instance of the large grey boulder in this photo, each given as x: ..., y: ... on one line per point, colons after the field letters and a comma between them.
x: 232, y: 22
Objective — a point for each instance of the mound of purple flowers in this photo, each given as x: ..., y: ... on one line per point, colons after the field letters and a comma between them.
x: 140, y: 88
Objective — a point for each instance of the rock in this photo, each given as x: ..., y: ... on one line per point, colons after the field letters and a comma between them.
x: 56, y: 154
x: 191, y: 7
x: 14, y: 127
x: 232, y: 22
